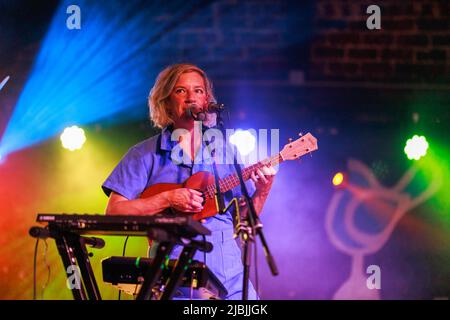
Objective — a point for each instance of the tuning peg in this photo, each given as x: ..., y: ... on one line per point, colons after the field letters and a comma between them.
x: 290, y: 140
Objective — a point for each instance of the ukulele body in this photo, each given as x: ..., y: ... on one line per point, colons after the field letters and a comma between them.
x: 198, y: 181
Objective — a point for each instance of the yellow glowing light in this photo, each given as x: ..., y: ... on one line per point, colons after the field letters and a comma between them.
x: 73, y: 138
x: 338, y: 179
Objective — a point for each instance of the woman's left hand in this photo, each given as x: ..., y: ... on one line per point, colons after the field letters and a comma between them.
x: 263, y: 178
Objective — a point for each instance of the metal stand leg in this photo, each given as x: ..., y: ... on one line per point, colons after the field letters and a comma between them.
x: 154, y: 272
x: 74, y: 255
x: 178, y: 272
x: 86, y: 269
x: 69, y: 261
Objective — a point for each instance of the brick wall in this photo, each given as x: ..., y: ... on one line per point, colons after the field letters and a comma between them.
x: 280, y: 40
x: 266, y: 40
x: 413, y: 44
x: 229, y: 36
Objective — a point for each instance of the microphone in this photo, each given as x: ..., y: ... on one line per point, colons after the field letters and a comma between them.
x: 204, y: 246
x: 44, y: 233
x: 201, y: 115
x: 215, y: 107
x: 94, y: 242
x: 38, y: 232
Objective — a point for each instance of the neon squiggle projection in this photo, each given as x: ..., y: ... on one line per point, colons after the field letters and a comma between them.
x: 355, y: 287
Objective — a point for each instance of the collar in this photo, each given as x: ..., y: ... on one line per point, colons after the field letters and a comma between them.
x: 166, y: 142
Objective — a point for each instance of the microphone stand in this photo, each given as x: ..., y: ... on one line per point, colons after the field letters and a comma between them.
x: 251, y: 227
x: 219, y: 195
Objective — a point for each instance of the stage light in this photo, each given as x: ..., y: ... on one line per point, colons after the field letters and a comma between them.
x: 416, y: 147
x: 244, y: 141
x: 73, y: 138
x: 338, y: 179
x: 4, y: 81
x: 93, y: 74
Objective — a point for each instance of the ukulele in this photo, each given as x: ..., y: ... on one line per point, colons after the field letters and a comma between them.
x: 203, y: 181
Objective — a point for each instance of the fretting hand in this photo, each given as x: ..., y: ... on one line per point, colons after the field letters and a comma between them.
x: 263, y: 178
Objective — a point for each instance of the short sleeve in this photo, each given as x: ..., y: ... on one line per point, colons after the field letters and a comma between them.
x: 129, y: 178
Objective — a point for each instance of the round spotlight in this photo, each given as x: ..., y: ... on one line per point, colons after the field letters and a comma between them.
x: 338, y: 179
x: 73, y: 138
x: 244, y: 141
x: 416, y: 147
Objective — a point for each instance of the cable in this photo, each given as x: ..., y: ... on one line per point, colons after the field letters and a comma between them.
x: 48, y: 268
x: 125, y: 246
x: 123, y: 255
x: 34, y: 268
x: 204, y: 252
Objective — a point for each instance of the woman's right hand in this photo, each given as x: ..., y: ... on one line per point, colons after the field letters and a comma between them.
x: 185, y: 200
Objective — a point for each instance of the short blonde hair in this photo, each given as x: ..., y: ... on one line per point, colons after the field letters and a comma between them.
x: 158, y: 100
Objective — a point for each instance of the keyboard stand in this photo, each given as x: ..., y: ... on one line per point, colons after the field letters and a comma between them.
x: 167, y: 242
x: 65, y: 229
x: 75, y: 258
x: 178, y: 272
x: 165, y: 247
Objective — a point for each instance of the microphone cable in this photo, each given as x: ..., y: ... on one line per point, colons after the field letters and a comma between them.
x: 204, y: 252
x: 48, y: 268
x: 34, y: 268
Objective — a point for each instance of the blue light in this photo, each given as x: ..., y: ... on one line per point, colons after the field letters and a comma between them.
x: 83, y: 76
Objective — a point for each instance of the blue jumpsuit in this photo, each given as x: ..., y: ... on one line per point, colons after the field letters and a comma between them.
x: 150, y: 162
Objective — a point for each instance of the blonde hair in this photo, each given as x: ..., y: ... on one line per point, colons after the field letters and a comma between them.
x: 158, y: 101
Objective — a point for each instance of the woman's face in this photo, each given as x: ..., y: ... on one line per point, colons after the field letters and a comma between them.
x: 188, y: 90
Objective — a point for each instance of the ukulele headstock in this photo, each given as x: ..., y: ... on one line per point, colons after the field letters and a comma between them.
x: 303, y: 145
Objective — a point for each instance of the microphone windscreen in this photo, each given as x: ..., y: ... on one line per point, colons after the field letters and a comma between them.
x: 38, y: 232
x: 201, y: 116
